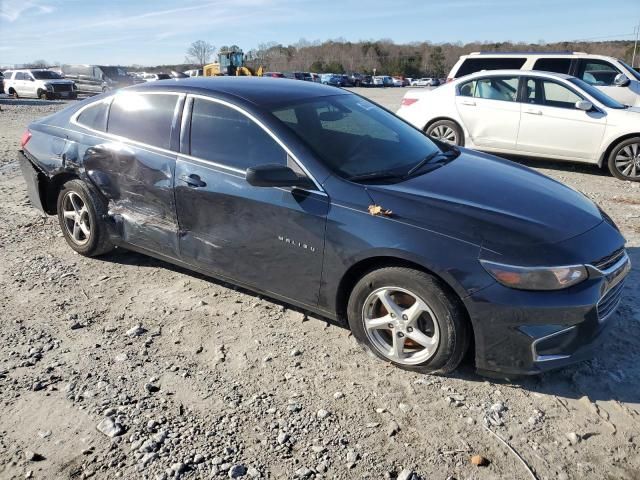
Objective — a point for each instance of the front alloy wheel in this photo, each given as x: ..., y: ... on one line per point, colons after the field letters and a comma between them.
x: 400, y: 325
x: 409, y: 318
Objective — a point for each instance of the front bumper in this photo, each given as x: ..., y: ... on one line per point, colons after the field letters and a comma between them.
x: 521, y: 332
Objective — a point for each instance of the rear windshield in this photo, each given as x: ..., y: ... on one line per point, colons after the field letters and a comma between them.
x: 45, y: 75
x: 477, y: 64
x: 163, y: 76
x: 600, y: 96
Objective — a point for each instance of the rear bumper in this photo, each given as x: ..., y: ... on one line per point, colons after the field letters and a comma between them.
x: 527, y: 332
x: 34, y: 180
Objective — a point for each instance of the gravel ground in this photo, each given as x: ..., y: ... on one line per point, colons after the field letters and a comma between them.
x: 127, y: 367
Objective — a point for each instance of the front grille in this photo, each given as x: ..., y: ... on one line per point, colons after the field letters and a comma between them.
x: 609, y: 302
x: 61, y: 87
x: 609, y: 260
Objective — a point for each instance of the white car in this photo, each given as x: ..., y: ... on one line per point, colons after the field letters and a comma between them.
x: 539, y: 114
x: 38, y: 83
x: 611, y: 75
x: 423, y: 82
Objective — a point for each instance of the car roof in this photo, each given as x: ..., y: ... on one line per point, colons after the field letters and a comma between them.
x: 529, y: 73
x: 257, y: 90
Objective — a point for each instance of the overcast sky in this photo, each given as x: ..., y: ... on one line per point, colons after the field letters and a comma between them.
x: 152, y: 32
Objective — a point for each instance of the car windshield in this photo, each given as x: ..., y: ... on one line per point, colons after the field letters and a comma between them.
x: 45, y: 75
x: 631, y: 70
x: 163, y: 76
x: 600, y: 96
x: 112, y: 72
x: 356, y: 138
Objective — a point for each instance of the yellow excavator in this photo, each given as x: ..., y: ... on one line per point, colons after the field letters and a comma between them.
x: 231, y: 62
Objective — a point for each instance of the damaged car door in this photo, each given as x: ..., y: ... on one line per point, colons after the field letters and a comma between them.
x: 134, y: 168
x: 263, y: 237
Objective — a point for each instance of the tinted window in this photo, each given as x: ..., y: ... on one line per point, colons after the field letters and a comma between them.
x: 557, y: 65
x: 143, y: 118
x: 20, y: 76
x: 597, y: 72
x: 492, y: 88
x: 45, y: 75
x: 476, y: 64
x: 354, y: 137
x: 94, y: 116
x: 551, y: 94
x: 223, y: 135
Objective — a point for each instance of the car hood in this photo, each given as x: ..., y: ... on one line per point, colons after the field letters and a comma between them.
x: 58, y: 81
x: 491, y: 202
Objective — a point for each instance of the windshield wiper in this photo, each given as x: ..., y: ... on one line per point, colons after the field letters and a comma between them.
x: 381, y: 175
x: 448, y: 155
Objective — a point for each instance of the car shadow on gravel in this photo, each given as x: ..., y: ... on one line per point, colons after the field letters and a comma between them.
x: 29, y: 102
x: 613, y: 373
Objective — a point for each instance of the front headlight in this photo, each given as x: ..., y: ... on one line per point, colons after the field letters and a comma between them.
x: 536, y: 278
x: 48, y: 86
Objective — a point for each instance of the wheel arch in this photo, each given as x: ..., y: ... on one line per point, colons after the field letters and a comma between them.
x: 52, y: 187
x: 604, y: 157
x: 359, y: 269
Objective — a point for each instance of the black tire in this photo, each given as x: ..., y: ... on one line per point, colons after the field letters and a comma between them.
x: 42, y: 95
x: 97, y: 242
x: 13, y: 93
x: 624, y: 149
x: 434, y: 130
x: 450, y: 316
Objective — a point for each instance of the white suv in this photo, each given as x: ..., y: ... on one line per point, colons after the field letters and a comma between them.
x: 40, y: 83
x: 611, y: 75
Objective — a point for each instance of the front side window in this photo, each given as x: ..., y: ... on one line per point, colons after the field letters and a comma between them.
x: 599, y: 73
x: 479, y: 63
x: 491, y: 88
x: 224, y: 135
x: 354, y: 137
x: 95, y: 116
x: 143, y: 118
x: 550, y: 94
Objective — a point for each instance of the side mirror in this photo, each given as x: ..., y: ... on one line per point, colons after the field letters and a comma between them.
x: 274, y: 175
x: 584, y: 105
x: 621, y: 80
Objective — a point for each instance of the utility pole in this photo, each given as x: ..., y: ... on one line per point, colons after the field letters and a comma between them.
x: 635, y: 46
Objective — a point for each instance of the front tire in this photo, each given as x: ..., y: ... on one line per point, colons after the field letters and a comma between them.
x: 80, y: 213
x: 624, y: 160
x: 446, y: 131
x: 409, y: 318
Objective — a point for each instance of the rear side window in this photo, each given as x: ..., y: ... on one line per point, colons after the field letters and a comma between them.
x: 94, y: 116
x: 492, y: 88
x: 557, y: 65
x: 476, y: 64
x: 223, y: 135
x: 143, y: 118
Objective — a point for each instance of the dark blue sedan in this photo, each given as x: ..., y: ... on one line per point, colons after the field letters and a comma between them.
x: 322, y: 199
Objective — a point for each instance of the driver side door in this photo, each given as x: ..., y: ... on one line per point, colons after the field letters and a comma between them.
x: 268, y: 238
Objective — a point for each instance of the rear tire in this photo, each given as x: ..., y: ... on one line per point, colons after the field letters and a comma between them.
x: 624, y: 160
x: 81, y: 211
x: 446, y: 131
x: 410, y: 319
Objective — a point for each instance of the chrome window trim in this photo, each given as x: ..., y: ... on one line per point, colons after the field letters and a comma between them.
x: 109, y: 100
x: 267, y: 130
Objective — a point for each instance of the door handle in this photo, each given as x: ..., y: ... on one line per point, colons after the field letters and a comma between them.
x: 533, y: 112
x: 193, y: 180
x: 471, y: 103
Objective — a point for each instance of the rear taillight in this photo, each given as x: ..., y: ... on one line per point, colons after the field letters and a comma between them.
x: 408, y: 101
x: 26, y: 136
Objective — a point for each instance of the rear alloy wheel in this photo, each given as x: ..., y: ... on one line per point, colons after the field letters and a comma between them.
x: 624, y: 160
x: 409, y: 318
x: 80, y: 213
x: 446, y: 131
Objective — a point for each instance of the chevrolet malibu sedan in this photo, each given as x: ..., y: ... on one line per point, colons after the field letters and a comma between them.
x: 319, y: 198
x: 541, y: 114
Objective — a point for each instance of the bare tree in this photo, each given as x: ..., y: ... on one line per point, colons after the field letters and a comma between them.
x: 200, y: 52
